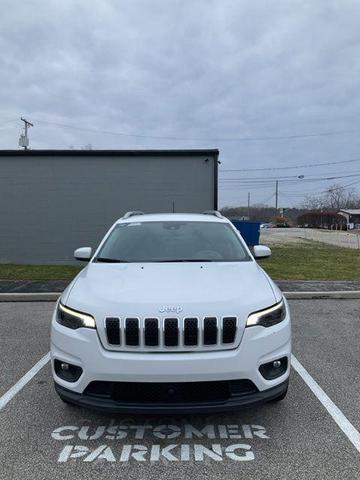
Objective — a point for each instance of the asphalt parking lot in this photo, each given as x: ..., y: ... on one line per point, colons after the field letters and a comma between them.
x: 298, y: 438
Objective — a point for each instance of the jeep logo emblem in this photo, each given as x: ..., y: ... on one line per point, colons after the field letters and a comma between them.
x: 170, y: 309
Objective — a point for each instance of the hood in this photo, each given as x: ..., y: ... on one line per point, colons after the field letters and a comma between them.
x: 195, y: 289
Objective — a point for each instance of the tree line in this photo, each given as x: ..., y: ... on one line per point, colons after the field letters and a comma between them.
x: 318, y: 209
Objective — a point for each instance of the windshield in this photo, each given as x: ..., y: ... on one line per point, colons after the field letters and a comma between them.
x: 172, y: 242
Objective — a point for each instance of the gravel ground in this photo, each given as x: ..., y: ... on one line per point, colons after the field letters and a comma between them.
x: 282, y: 236
x: 286, y: 236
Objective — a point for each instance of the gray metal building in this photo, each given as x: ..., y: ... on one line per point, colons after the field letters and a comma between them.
x: 53, y: 201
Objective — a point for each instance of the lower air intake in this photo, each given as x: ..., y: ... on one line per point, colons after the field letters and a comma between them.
x: 165, y: 393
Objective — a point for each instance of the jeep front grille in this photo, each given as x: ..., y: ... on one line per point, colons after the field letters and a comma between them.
x: 171, y: 334
x: 151, y: 332
x: 113, y: 331
x: 132, y: 332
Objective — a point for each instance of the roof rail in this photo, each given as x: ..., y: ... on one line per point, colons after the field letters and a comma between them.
x: 213, y: 212
x: 132, y: 214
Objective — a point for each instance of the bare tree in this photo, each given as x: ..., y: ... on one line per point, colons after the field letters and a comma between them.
x: 335, y: 197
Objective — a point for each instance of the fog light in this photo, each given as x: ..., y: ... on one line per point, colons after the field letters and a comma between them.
x: 67, y: 371
x: 274, y: 369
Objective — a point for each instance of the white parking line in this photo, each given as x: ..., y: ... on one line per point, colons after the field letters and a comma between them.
x: 350, y: 431
x: 5, y: 399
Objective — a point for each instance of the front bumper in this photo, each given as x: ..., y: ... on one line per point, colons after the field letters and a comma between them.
x: 83, y: 348
x: 111, y: 406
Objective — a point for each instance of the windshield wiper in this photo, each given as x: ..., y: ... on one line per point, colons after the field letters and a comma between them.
x: 110, y: 260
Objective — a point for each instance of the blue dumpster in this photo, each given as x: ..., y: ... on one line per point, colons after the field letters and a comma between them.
x: 250, y: 231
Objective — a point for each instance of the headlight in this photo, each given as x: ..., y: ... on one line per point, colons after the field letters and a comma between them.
x: 73, y: 319
x: 268, y: 317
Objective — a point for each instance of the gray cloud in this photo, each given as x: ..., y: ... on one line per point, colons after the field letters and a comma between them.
x: 188, y: 68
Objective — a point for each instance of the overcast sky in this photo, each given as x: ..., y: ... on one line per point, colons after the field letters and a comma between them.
x: 210, y: 71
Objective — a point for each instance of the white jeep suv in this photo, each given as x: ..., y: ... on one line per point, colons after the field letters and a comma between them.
x: 171, y: 314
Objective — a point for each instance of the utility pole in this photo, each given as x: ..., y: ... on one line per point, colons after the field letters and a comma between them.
x: 249, y: 205
x: 24, y: 140
x: 276, y: 194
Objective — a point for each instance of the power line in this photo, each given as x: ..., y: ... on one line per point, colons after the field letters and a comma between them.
x: 268, y: 198
x: 215, y: 139
x: 6, y: 123
x: 295, y: 176
x: 295, y: 196
x: 315, y: 192
x: 323, y: 191
x: 351, y: 184
x: 261, y: 182
x: 285, y: 179
x: 309, y: 165
x: 270, y: 185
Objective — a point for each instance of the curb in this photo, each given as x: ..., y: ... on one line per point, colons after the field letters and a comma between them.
x: 339, y: 294
x: 30, y: 297
x: 53, y: 296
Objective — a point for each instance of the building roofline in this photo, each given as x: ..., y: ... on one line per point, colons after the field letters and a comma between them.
x: 109, y: 153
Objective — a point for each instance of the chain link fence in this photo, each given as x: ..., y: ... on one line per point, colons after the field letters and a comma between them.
x: 338, y: 238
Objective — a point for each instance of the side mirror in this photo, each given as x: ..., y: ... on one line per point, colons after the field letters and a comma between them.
x: 260, y: 251
x: 83, y: 254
